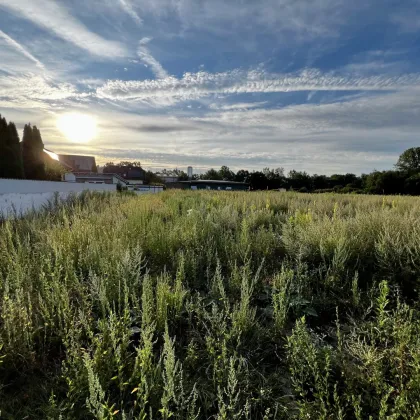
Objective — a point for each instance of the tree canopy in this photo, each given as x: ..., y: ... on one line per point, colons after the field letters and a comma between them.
x: 124, y: 163
x: 409, y: 160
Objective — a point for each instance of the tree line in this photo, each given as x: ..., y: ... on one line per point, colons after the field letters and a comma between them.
x: 21, y: 159
x: 404, y: 179
x: 26, y: 160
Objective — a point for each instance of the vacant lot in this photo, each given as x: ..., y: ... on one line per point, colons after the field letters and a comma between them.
x: 200, y: 305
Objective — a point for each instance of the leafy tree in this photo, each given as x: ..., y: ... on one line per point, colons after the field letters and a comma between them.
x: 226, y: 174
x: 337, y: 180
x: 275, y: 178
x: 122, y: 164
x: 33, y: 153
x: 298, y: 180
x: 10, y: 153
x: 409, y: 160
x: 269, y: 173
x: 53, y: 170
x: 320, y: 182
x: 242, y: 176
x: 152, y: 179
x: 412, y: 185
x: 258, y: 181
x: 181, y: 175
x: 385, y: 182
x: 135, y: 164
x: 211, y: 174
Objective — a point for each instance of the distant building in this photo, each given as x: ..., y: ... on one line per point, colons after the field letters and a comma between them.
x: 92, y: 178
x: 168, y: 178
x: 78, y: 163
x: 132, y: 175
x: 203, y: 184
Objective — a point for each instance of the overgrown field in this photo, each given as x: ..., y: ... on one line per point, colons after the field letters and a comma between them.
x: 206, y: 305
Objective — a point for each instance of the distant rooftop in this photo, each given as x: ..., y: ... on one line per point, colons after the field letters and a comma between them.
x: 126, y: 172
x: 78, y: 162
x: 92, y: 175
x: 211, y: 181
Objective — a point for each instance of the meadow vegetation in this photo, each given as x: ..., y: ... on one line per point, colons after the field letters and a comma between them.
x: 212, y: 305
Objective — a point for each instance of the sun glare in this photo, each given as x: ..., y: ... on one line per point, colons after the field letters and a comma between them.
x: 78, y: 128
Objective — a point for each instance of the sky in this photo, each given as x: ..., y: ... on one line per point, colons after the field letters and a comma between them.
x: 325, y: 86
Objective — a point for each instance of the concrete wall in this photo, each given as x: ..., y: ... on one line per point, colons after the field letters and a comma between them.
x: 31, y: 187
x: 19, y: 196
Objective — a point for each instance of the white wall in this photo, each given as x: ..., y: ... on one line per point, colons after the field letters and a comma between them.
x: 19, y: 196
x: 27, y: 186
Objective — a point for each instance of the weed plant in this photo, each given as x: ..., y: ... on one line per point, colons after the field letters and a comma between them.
x: 212, y: 305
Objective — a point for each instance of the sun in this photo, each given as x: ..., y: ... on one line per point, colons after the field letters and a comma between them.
x: 78, y: 128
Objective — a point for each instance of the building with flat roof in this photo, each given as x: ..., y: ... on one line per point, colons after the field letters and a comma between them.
x: 168, y: 178
x: 203, y: 184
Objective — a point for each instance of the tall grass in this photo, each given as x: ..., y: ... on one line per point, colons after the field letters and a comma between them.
x: 206, y: 305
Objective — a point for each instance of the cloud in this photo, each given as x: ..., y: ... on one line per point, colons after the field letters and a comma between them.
x: 150, y: 128
x: 238, y: 106
x: 311, y: 95
x: 357, y: 135
x: 145, y: 40
x: 35, y: 91
x: 147, y: 58
x: 395, y: 111
x: 18, y: 47
x: 300, y: 18
x: 128, y: 7
x: 192, y: 86
x: 407, y: 19
x: 55, y: 17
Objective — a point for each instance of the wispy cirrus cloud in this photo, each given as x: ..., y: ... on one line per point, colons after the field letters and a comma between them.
x: 56, y: 18
x: 301, y: 18
x: 394, y: 111
x: 35, y: 91
x: 241, y: 106
x: 147, y: 58
x: 21, y: 49
x: 129, y: 9
x: 196, y: 85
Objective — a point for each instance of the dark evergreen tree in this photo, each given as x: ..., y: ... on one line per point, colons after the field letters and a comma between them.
x: 33, y: 153
x: 4, y: 146
x: 16, y: 163
x: 10, y: 154
x: 27, y: 152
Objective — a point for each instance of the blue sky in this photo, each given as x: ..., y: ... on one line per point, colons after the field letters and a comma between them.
x: 327, y: 86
